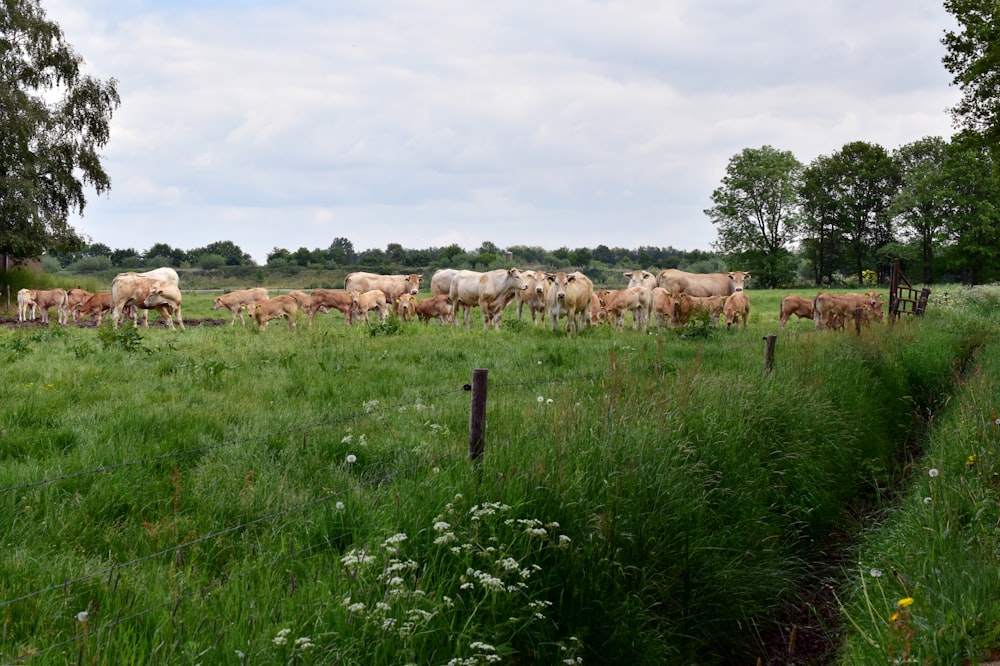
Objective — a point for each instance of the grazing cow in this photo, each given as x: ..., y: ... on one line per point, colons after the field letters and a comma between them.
x: 701, y: 284
x: 96, y: 306
x: 52, y: 298
x: 596, y: 311
x: 128, y: 292
x: 74, y: 299
x: 491, y: 291
x: 832, y: 310
x: 237, y: 301
x: 25, y: 302
x: 616, y: 302
x: 303, y: 300
x: 686, y: 305
x: 272, y: 308
x: 570, y: 296
x: 390, y: 285
x: 441, y: 281
x: 661, y: 306
x: 323, y: 300
x: 795, y: 305
x: 362, y: 303
x: 436, y: 306
x: 533, y: 295
x: 404, y: 306
x: 737, y: 310
x: 165, y: 298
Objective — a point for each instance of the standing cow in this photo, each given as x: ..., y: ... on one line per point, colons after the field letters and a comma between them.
x: 536, y: 285
x: 737, y: 310
x: 52, y: 298
x: 570, y: 296
x: 25, y: 302
x: 701, y: 284
x: 491, y: 291
x: 237, y: 301
x: 129, y: 289
x: 390, y: 285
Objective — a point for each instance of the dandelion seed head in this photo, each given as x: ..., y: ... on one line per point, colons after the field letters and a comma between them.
x: 932, y: 472
x: 541, y: 398
x: 351, y: 459
x: 82, y: 616
x: 928, y: 500
x: 875, y: 573
x: 340, y: 506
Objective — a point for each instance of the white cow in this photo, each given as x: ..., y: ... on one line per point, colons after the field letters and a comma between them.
x: 533, y: 295
x: 491, y: 291
x: 128, y: 292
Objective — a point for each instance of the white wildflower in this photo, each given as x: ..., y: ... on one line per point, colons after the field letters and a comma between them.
x: 932, y: 472
x: 340, y: 506
x: 346, y: 439
x: 875, y: 573
x: 282, y: 637
x: 82, y: 616
x: 303, y: 643
x: 541, y: 398
x: 351, y: 458
x: 370, y: 405
x: 356, y: 607
x: 441, y: 526
x: 928, y: 500
x: 549, y: 401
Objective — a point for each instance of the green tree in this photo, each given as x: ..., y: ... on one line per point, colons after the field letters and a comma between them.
x: 973, y: 60
x: 54, y: 120
x: 757, y: 212
x: 922, y: 204
x: 229, y: 251
x: 174, y: 256
x: 972, y: 227
x: 342, y: 251
x: 396, y: 254
x: 125, y: 258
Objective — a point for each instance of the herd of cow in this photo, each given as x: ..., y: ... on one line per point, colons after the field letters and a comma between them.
x: 668, y: 298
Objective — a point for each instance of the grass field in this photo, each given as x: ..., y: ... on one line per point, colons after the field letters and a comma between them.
x: 222, y: 495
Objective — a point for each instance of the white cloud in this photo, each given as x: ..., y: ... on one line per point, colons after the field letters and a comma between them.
x: 565, y: 123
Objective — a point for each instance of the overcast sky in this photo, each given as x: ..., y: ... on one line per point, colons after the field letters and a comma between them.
x: 288, y: 123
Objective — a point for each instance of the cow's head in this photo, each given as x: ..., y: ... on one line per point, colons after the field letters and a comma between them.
x: 738, y: 278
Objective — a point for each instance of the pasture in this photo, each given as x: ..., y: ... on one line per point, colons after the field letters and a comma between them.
x: 223, y: 495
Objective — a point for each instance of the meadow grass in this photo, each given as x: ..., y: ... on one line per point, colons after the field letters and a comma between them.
x: 223, y: 495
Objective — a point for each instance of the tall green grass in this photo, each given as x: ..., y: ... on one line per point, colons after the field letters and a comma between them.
x: 221, y: 495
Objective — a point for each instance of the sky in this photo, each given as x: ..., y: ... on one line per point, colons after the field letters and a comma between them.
x: 563, y: 123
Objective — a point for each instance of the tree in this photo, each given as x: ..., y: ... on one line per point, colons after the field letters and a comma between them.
x: 921, y: 205
x: 230, y: 252
x: 55, y: 121
x: 174, y: 256
x: 973, y: 60
x: 342, y: 251
x: 396, y: 254
x: 757, y: 212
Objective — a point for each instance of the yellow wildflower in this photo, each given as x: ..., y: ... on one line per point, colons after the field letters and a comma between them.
x: 904, y: 602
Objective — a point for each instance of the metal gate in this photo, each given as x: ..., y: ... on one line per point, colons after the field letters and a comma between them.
x: 903, y: 297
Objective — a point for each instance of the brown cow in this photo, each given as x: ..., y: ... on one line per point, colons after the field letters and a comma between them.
x: 272, y: 308
x: 390, y: 285
x: 52, y: 298
x: 616, y: 302
x: 795, y: 305
x: 827, y: 308
x: 596, y: 311
x: 323, y: 300
x: 237, y: 301
x: 436, y: 306
x: 661, y: 306
x: 570, y: 296
x: 303, y: 300
x: 533, y: 295
x: 96, y: 306
x: 362, y: 303
x: 686, y: 305
x: 404, y: 306
x: 701, y: 284
x: 165, y: 298
x: 74, y: 299
x: 737, y: 310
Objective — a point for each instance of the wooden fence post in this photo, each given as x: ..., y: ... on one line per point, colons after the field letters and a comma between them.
x: 769, y: 342
x: 477, y: 415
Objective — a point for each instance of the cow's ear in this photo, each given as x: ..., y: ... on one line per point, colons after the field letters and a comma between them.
x: 628, y: 275
x: 570, y: 278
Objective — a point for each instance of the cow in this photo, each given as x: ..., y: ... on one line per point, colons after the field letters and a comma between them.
x: 646, y: 280
x: 496, y: 289
x: 96, y: 306
x: 596, y: 312
x: 127, y: 292
x: 436, y: 306
x: 52, y: 298
x: 273, y: 308
x: 25, y: 302
x: 390, y: 285
x: 74, y: 299
x: 701, y: 284
x: 441, y: 281
x: 363, y: 302
x: 832, y: 310
x: 302, y: 299
x: 323, y: 300
x: 686, y: 305
x: 661, y: 306
x: 165, y: 298
x: 533, y: 295
x: 616, y: 302
x: 570, y: 296
x: 737, y: 310
x: 491, y: 291
x: 404, y: 307
x: 237, y: 301
x: 795, y: 305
